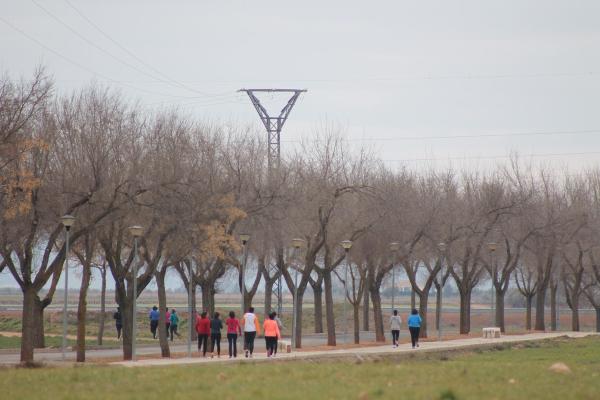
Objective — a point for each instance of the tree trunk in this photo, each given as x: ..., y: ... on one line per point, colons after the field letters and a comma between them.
x: 597, y: 319
x: 500, y: 310
x: 529, y: 301
x: 194, y: 313
x: 553, y: 292
x: 356, y: 309
x: 377, y: 313
x: 208, y: 298
x: 413, y: 299
x: 465, y: 311
x: 366, y: 310
x: 298, y: 327
x: 423, y: 299
x: 329, y: 314
x: 102, y: 315
x: 268, y: 295
x: 30, y: 298
x: 38, y: 330
x: 540, y: 308
x: 126, y: 307
x: 318, y: 295
x: 438, y: 306
x: 81, y: 312
x: 575, y: 312
x: 162, y: 319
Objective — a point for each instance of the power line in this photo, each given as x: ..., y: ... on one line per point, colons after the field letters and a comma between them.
x: 101, y: 49
x: 133, y: 55
x: 77, y: 64
x: 495, y: 157
x: 467, y: 136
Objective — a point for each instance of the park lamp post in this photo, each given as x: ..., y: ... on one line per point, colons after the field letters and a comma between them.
x: 191, y: 317
x: 244, y: 237
x: 67, y: 221
x: 296, y: 244
x: 442, y: 249
x: 394, y: 247
x: 347, y: 245
x: 136, y: 231
x: 492, y: 248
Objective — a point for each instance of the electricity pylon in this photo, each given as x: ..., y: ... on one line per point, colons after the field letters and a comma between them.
x: 274, y: 125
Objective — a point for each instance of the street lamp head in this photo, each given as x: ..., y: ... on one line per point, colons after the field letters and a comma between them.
x: 67, y: 220
x: 136, y: 231
x: 394, y: 246
x: 244, y: 237
x: 442, y: 246
x: 346, y: 244
x: 492, y: 246
x: 297, y: 243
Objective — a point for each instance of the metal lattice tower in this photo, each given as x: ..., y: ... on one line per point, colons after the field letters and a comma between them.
x: 274, y: 125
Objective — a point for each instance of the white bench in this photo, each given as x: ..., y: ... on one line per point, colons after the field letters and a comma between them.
x: 491, y: 333
x: 284, y: 346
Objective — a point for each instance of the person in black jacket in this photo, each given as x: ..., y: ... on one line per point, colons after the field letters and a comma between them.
x: 118, y: 322
x: 215, y: 334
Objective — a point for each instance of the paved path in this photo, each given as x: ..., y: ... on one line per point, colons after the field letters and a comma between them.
x: 358, y: 352
x: 12, y: 356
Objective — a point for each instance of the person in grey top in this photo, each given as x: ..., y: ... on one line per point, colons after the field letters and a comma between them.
x: 395, y: 322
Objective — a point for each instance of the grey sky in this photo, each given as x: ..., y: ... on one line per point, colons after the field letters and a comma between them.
x: 379, y: 70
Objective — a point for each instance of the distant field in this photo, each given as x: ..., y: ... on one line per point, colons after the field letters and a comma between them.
x: 515, y: 372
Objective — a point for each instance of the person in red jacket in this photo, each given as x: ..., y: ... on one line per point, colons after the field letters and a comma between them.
x: 233, y: 329
x: 203, y: 330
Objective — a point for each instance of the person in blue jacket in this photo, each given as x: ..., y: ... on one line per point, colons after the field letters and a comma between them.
x: 414, y: 326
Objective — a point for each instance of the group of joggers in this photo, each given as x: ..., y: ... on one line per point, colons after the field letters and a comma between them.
x: 171, y: 322
x: 249, y: 326
x: 414, y: 327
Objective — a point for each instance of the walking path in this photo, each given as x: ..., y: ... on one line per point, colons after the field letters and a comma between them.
x: 356, y: 352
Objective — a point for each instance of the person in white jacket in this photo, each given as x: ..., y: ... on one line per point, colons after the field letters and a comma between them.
x: 395, y: 322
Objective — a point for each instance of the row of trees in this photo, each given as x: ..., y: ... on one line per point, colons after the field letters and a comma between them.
x: 195, y: 186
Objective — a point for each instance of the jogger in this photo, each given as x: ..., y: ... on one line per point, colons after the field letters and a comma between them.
x: 118, y: 322
x: 174, y: 323
x: 251, y: 328
x: 154, y: 315
x: 414, y: 326
x: 395, y: 322
x: 203, y: 330
x: 215, y: 335
x: 233, y: 329
x: 272, y: 333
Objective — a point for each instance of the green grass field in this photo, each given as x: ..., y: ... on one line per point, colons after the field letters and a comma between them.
x: 14, y: 342
x: 505, y: 372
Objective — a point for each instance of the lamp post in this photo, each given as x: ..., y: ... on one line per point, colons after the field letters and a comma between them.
x: 244, y: 237
x: 492, y: 248
x: 135, y: 231
x: 558, y: 308
x: 296, y: 243
x: 191, y: 318
x: 347, y: 245
x: 394, y: 247
x: 442, y: 248
x: 67, y: 221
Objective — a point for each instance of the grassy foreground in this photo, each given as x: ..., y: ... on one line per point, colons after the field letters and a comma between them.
x: 516, y: 372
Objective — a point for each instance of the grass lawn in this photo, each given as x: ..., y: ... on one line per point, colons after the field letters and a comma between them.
x: 51, y: 341
x: 14, y: 342
x: 519, y: 371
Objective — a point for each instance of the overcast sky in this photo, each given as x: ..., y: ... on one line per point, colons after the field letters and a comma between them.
x: 381, y: 71
x: 378, y: 70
